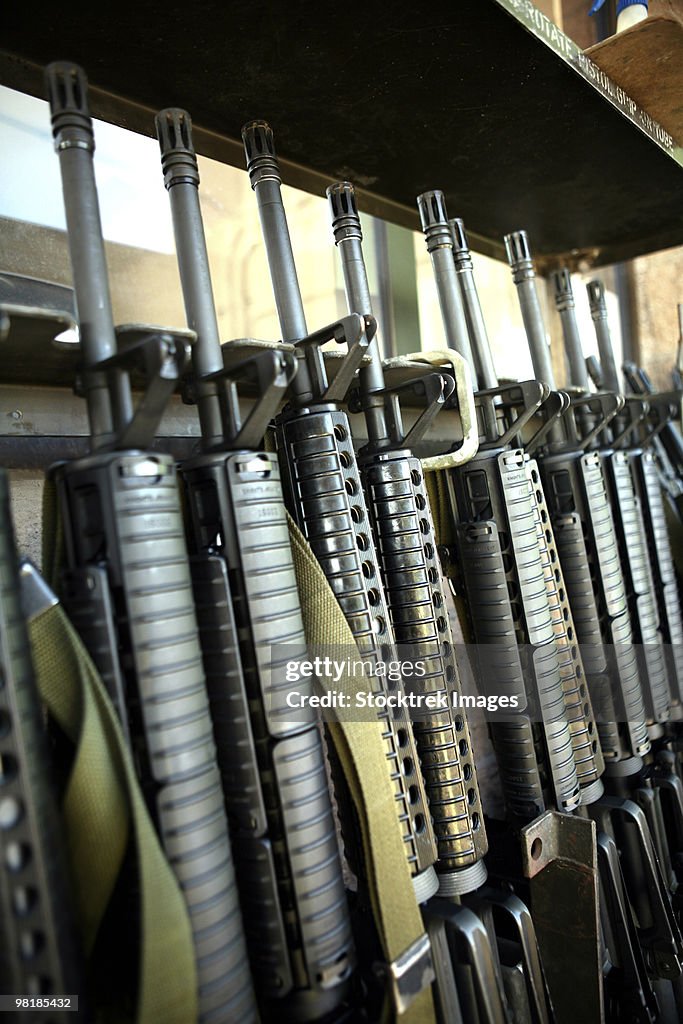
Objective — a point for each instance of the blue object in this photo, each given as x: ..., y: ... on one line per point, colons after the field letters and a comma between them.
x: 620, y: 5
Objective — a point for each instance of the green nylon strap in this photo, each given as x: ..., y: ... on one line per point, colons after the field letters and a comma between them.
x: 361, y: 752
x: 103, y: 807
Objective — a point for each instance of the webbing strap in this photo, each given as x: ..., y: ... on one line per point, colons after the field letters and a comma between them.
x: 361, y: 752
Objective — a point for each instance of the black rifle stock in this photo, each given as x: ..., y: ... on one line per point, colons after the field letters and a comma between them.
x: 124, y: 538
x: 274, y: 777
x: 323, y: 493
x: 38, y: 950
x: 398, y: 505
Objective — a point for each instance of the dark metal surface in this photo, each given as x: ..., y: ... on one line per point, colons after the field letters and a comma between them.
x: 559, y: 857
x: 451, y: 94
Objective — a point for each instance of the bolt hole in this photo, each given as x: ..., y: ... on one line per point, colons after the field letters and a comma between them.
x: 536, y: 848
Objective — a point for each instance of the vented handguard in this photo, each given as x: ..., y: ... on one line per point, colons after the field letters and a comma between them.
x: 402, y: 522
x: 323, y: 492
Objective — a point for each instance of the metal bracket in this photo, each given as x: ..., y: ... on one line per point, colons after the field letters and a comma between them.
x: 559, y: 858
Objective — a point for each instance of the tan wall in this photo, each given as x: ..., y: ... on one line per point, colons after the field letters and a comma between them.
x: 658, y: 288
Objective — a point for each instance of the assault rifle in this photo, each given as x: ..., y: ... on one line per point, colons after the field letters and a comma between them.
x: 38, y: 949
x: 575, y: 482
x: 398, y: 505
x: 274, y: 778
x: 493, y: 507
x: 503, y: 556
x: 398, y: 502
x: 644, y: 421
x: 323, y: 493
x: 127, y: 582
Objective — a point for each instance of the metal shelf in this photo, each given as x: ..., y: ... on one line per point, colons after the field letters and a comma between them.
x: 484, y: 98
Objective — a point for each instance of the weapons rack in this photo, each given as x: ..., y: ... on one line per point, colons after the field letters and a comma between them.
x: 572, y: 119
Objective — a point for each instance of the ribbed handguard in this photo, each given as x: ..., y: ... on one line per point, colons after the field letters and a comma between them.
x: 623, y: 733
x: 402, y: 524
x: 589, y: 556
x: 37, y: 943
x: 649, y: 490
x: 577, y: 700
x: 323, y: 492
x: 635, y: 562
x: 273, y: 769
x: 494, y: 487
x: 123, y: 509
x: 483, y: 574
